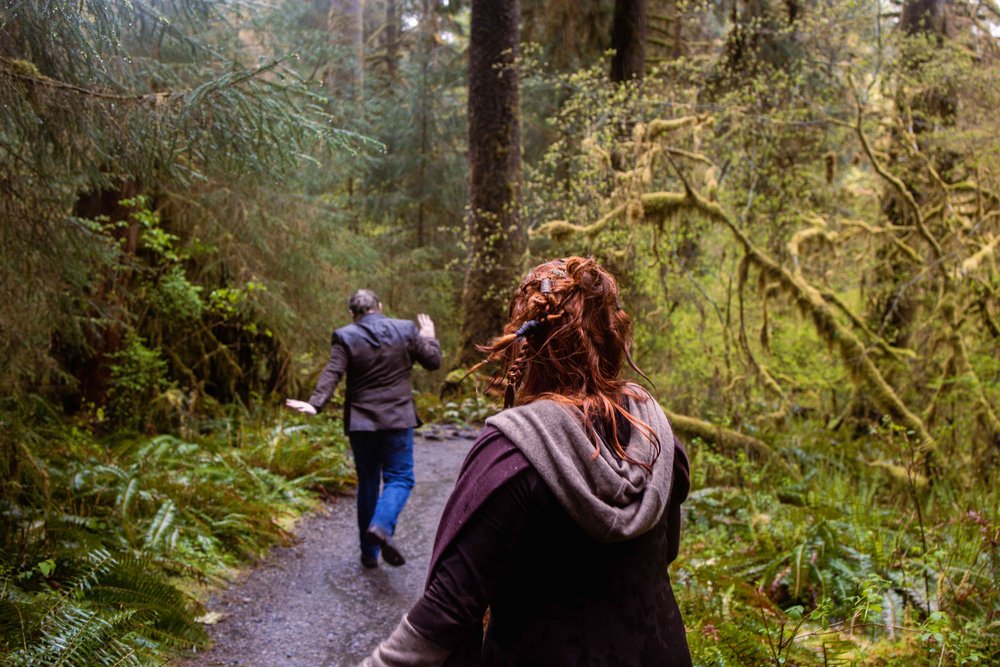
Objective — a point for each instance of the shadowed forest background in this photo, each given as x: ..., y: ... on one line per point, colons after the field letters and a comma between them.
x: 801, y: 200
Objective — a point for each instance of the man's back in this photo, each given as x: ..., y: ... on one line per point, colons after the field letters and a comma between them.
x: 381, y: 353
x: 376, y: 353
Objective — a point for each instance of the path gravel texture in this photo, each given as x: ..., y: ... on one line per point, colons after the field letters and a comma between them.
x: 312, y: 604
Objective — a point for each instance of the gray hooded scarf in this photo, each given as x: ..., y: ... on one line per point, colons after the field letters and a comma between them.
x: 611, y: 499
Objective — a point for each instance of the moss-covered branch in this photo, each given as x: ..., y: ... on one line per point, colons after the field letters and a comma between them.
x: 655, y: 205
x: 807, y: 297
x: 896, y: 183
x: 727, y: 438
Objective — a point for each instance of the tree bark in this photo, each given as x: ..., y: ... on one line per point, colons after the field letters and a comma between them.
x: 924, y: 17
x: 344, y: 76
x: 496, y: 234
x: 628, y: 39
x: 391, y: 39
x: 428, y: 30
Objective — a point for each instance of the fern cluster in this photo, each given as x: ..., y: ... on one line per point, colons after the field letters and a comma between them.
x: 101, y: 543
x: 833, y: 567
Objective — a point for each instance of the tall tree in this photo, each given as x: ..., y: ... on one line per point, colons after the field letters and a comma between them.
x: 628, y: 39
x: 344, y: 74
x: 496, y: 234
x: 391, y: 38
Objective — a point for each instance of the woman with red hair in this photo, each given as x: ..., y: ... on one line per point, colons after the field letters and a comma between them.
x: 566, y: 513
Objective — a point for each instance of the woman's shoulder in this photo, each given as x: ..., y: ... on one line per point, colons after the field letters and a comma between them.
x: 638, y: 392
x: 493, y: 455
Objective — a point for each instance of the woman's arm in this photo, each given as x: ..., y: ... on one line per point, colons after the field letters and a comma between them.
x: 462, y: 581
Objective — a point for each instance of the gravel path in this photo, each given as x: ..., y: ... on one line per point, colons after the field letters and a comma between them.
x: 312, y: 604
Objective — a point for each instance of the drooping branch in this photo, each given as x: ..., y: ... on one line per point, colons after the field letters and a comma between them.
x: 896, y: 183
x: 768, y: 380
x: 819, y: 231
x: 807, y: 297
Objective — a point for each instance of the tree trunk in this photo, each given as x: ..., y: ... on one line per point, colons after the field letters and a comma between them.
x: 428, y: 30
x: 496, y: 235
x: 344, y: 75
x: 93, y: 370
x: 391, y: 39
x: 924, y: 17
x: 628, y: 39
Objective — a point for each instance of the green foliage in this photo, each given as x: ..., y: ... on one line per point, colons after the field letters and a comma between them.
x: 176, y: 298
x: 833, y: 566
x: 104, y: 610
x: 143, y: 117
x: 102, y: 579
x: 137, y: 378
x: 183, y: 224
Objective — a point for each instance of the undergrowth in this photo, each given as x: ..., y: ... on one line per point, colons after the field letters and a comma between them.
x: 826, y: 559
x: 103, y: 541
x: 841, y: 566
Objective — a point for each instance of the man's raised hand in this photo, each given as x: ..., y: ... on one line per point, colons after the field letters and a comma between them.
x: 425, y: 325
x: 301, y: 406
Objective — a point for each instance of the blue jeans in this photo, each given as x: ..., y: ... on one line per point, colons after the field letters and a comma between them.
x: 381, y: 456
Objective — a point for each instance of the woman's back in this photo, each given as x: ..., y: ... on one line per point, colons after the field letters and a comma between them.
x: 567, y: 599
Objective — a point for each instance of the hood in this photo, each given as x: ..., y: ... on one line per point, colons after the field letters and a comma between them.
x: 611, y: 499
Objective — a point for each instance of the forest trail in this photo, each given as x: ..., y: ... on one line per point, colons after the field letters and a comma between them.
x: 312, y: 604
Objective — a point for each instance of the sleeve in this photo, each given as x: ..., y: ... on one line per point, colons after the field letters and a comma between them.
x: 405, y: 647
x: 330, y: 376
x: 425, y: 351
x: 464, y: 581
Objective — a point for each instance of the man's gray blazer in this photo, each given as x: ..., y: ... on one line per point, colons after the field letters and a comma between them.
x: 376, y: 353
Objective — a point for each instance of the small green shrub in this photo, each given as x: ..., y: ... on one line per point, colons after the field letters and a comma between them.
x: 138, y: 375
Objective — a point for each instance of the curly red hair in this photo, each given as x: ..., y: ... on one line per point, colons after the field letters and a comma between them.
x: 567, y: 339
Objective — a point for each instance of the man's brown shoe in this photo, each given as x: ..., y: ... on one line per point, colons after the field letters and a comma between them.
x: 390, y: 554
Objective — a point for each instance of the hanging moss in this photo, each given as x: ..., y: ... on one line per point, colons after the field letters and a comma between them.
x: 806, y: 296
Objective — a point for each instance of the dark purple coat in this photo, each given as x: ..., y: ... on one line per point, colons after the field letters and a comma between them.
x: 556, y: 596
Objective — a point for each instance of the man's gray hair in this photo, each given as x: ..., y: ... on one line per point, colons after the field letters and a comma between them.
x: 363, y: 301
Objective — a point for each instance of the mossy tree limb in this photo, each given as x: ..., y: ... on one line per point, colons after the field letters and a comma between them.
x: 806, y: 296
x: 810, y: 301
x: 725, y: 438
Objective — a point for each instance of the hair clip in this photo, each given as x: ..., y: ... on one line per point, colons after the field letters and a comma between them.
x: 526, y: 328
x: 546, y: 287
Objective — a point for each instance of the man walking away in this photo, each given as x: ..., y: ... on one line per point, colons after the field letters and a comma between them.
x: 377, y: 354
